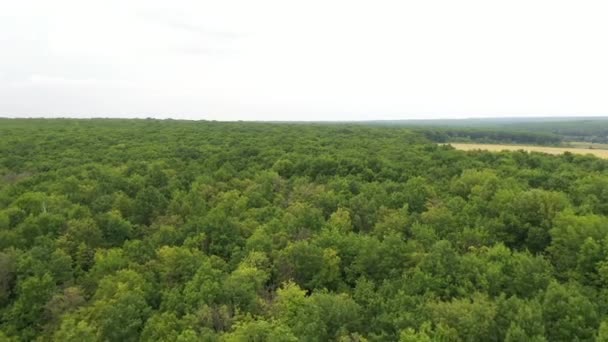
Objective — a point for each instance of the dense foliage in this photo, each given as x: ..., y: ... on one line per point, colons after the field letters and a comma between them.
x: 126, y: 230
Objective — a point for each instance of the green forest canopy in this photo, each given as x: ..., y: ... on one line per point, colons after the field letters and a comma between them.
x: 128, y: 230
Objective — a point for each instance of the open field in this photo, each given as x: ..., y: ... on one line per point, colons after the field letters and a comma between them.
x: 543, y: 149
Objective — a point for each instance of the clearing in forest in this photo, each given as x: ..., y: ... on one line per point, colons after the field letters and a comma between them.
x: 543, y: 149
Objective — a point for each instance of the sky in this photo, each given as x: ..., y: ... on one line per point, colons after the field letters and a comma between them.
x: 303, y: 60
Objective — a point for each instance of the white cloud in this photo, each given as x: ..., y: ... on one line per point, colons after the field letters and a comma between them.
x: 335, y: 60
x: 44, y: 81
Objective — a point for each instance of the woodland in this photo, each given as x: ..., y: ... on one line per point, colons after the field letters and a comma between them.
x: 165, y: 230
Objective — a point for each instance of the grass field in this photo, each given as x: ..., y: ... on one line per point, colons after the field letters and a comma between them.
x: 529, y: 148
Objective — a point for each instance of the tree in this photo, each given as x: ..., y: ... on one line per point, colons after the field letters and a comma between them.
x: 340, y: 221
x: 177, y: 264
x: 473, y: 318
x: 568, y: 315
x: 27, y: 312
x: 568, y: 237
x: 602, y: 334
x: 114, y: 228
x: 308, y: 265
x: 294, y: 310
x: 243, y: 287
x: 7, y: 276
x: 164, y: 327
x: 260, y: 331
x: 70, y: 299
x: 411, y: 335
x: 205, y: 287
x: 120, y: 307
x: 149, y: 203
x: 417, y: 192
x: 73, y: 330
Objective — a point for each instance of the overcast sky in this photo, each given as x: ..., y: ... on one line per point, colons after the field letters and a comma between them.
x: 303, y: 60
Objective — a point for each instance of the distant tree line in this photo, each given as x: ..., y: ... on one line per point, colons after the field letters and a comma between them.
x: 485, y: 135
x: 595, y: 131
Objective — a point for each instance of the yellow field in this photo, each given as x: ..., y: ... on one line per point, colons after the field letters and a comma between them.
x: 543, y: 149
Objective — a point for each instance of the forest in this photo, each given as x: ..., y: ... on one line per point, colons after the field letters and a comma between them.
x: 166, y: 230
